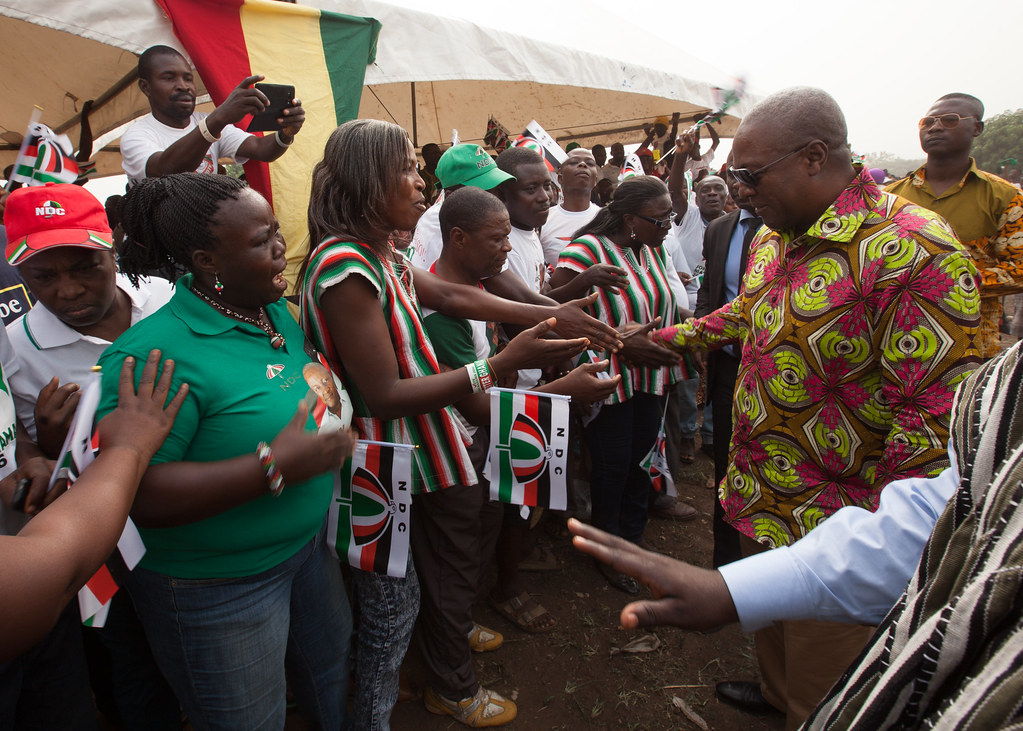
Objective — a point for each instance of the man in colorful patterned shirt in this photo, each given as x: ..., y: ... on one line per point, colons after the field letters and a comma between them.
x: 856, y: 318
x: 985, y: 211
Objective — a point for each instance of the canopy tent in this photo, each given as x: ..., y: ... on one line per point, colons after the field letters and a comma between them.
x: 432, y: 75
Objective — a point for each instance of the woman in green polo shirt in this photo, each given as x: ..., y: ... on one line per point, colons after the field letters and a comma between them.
x: 237, y: 582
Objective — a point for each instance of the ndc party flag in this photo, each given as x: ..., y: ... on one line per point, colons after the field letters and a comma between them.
x: 78, y: 452
x: 528, y: 448
x: 497, y: 136
x: 655, y: 463
x: 45, y: 157
x: 631, y: 168
x: 368, y: 524
x: 323, y: 54
x: 536, y: 139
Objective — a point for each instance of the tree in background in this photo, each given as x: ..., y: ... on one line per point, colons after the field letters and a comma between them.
x: 1000, y: 145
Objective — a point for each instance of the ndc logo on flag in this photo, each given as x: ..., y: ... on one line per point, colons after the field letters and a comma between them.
x: 528, y: 449
x: 49, y: 209
x: 373, y: 507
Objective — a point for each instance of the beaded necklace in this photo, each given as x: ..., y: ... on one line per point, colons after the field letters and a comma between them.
x: 276, y: 339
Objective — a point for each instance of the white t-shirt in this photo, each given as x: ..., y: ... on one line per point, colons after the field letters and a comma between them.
x: 560, y: 227
x: 10, y: 521
x: 526, y: 260
x: 146, y: 135
x: 688, y: 240
x: 677, y: 263
x: 46, y: 347
x: 427, y: 242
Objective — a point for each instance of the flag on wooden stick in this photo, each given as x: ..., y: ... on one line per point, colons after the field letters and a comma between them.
x: 45, y: 157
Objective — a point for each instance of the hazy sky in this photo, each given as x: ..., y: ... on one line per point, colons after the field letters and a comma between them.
x: 884, y: 62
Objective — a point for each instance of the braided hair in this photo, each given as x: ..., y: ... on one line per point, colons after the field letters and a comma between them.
x: 165, y: 219
x: 631, y: 196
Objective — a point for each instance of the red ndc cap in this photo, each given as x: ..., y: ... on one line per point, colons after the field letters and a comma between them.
x: 40, y: 217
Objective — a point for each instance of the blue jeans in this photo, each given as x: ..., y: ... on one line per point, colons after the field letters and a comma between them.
x: 618, y: 439
x: 690, y: 411
x: 388, y: 609
x: 223, y: 644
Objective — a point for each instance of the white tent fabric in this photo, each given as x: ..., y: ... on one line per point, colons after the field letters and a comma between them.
x: 64, y: 52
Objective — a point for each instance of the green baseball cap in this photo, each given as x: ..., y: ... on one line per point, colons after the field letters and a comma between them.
x: 469, y: 165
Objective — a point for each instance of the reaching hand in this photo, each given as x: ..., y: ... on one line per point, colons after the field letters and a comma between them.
x: 242, y: 100
x: 529, y: 349
x: 34, y: 498
x: 684, y: 595
x: 605, y: 276
x: 583, y: 384
x: 573, y: 322
x: 143, y: 418
x: 639, y: 349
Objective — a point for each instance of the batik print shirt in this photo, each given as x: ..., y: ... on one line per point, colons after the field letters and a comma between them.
x: 986, y: 214
x: 854, y: 337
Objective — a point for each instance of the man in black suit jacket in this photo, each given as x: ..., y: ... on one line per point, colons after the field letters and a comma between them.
x: 720, y: 285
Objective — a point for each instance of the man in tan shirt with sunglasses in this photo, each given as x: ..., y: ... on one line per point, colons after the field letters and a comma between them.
x: 985, y: 211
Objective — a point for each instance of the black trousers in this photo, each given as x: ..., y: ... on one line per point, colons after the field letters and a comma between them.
x: 452, y: 540
x: 726, y: 370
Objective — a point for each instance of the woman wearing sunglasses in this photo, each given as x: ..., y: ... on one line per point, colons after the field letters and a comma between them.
x: 627, y: 234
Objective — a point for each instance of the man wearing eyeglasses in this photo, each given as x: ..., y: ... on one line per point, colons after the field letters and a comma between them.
x: 856, y: 320
x: 985, y: 211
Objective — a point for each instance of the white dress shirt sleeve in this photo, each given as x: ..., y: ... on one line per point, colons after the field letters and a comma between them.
x: 852, y: 567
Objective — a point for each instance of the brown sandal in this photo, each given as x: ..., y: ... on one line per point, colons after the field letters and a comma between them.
x: 518, y: 611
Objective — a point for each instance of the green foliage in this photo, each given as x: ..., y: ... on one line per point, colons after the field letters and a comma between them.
x: 1001, y: 140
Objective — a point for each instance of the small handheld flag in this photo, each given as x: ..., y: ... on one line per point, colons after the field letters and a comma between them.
x: 496, y: 136
x: 368, y: 523
x: 528, y: 448
x: 655, y: 463
x: 631, y: 167
x: 79, y: 450
x: 45, y: 157
x: 536, y: 138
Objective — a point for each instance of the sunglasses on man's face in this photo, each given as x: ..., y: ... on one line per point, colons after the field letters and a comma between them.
x: 945, y: 121
x: 751, y: 178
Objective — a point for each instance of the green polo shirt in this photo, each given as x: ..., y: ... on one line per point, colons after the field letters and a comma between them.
x: 241, y: 391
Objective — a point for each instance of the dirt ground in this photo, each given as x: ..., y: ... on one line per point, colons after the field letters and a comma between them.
x: 572, y: 677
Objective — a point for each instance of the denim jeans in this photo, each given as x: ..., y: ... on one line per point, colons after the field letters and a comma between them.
x: 690, y: 412
x: 388, y: 608
x: 224, y: 644
x: 618, y: 439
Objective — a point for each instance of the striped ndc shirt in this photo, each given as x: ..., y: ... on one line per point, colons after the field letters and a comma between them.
x: 440, y: 459
x: 647, y: 296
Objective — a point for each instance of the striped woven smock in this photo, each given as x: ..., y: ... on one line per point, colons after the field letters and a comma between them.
x: 441, y: 460
x: 647, y: 296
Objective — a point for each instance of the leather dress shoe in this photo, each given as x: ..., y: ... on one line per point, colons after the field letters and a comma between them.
x: 745, y: 696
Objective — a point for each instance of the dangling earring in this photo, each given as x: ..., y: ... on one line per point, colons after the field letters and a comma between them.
x: 632, y: 234
x: 217, y: 284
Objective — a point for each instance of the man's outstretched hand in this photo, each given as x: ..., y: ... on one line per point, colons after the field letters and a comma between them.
x: 684, y: 595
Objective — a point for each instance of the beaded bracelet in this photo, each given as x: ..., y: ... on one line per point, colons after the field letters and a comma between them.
x: 205, y: 131
x: 274, y: 479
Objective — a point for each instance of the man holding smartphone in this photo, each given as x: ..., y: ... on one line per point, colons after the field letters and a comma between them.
x: 174, y: 138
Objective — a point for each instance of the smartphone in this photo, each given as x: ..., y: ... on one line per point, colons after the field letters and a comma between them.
x: 280, y: 96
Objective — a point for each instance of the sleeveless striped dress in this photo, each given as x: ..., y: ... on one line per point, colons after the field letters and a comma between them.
x: 647, y: 296
x: 441, y: 459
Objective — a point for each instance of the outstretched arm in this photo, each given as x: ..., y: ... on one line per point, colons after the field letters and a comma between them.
x: 56, y: 553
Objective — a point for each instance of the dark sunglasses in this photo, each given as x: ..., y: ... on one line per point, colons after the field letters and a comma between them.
x: 659, y: 222
x: 750, y: 178
x: 946, y: 121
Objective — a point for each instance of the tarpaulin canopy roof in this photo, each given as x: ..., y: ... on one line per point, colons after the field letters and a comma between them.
x: 432, y: 75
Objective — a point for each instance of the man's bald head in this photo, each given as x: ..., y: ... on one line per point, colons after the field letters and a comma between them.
x: 794, y: 144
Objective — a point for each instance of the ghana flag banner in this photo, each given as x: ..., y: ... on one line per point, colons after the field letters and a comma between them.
x: 528, y: 448
x: 322, y: 54
x: 45, y: 157
x: 369, y: 516
x: 78, y: 452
